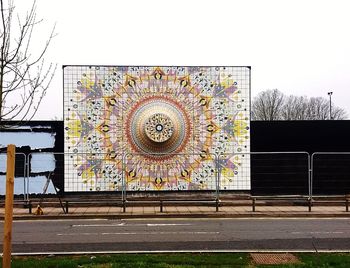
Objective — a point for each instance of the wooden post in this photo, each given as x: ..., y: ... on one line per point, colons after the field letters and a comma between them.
x: 10, y: 175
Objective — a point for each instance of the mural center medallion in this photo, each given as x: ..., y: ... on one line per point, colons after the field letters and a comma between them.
x: 159, y: 127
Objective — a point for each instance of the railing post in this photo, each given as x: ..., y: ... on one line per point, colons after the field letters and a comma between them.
x: 310, y: 204
x: 312, y: 173
x: 24, y: 178
x: 217, y: 181
x: 28, y: 173
x: 30, y: 207
x: 124, y: 206
x: 122, y: 177
x: 346, y: 204
x: 253, y: 204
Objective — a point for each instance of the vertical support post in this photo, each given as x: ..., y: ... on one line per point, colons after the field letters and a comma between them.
x: 217, y: 183
x: 310, y: 204
x: 124, y: 206
x: 161, y: 205
x: 28, y: 173
x: 253, y: 204
x: 346, y: 204
x: 123, y: 178
x: 30, y: 206
x: 67, y: 207
x: 10, y: 175
x: 24, y: 178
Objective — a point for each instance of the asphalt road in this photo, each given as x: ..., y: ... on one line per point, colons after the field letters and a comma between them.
x: 180, y: 235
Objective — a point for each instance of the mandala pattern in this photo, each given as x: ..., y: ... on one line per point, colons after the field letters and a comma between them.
x: 159, y: 128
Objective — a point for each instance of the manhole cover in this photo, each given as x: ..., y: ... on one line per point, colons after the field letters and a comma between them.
x: 274, y: 258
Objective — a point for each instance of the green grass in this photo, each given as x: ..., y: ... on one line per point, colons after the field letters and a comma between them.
x: 175, y: 260
x: 135, y: 260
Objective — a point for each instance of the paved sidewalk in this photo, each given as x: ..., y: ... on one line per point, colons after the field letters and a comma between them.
x: 181, y: 211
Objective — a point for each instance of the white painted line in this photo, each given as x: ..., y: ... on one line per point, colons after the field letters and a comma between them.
x: 169, y: 224
x: 326, y: 232
x: 136, y: 233
x: 179, y: 251
x: 189, y: 219
x: 130, y: 224
x: 318, y: 232
x: 162, y: 233
x: 78, y: 234
x: 236, y: 218
x: 60, y: 220
x: 99, y: 225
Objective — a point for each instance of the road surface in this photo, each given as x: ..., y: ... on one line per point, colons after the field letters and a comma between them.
x: 54, y: 236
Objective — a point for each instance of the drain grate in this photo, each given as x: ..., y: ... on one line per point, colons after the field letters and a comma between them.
x: 274, y: 258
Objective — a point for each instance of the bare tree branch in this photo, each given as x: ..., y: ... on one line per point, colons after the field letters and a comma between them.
x: 24, y: 78
x: 268, y: 105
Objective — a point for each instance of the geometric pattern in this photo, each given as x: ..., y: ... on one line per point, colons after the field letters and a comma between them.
x: 160, y: 128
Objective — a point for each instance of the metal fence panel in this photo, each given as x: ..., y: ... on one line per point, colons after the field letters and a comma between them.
x: 330, y: 173
x: 20, y: 174
x: 278, y: 173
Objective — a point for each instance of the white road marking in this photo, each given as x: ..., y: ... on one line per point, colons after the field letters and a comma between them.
x: 237, y: 219
x: 169, y: 224
x: 178, y: 251
x: 99, y: 225
x: 318, y: 232
x: 130, y: 225
x: 156, y: 233
x: 60, y: 220
x: 136, y: 233
x: 189, y: 219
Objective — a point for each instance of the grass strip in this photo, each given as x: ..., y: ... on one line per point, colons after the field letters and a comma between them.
x: 176, y: 260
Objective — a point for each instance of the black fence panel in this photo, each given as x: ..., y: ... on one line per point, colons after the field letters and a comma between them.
x: 331, y: 174
x: 279, y: 174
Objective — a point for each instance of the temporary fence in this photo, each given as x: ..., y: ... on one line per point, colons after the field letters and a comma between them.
x: 116, y: 173
x: 20, y: 182
x: 330, y: 173
x: 276, y: 173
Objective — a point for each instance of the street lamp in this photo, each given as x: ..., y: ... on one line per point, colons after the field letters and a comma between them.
x: 330, y: 105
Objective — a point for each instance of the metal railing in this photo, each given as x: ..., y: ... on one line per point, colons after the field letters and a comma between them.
x: 24, y: 166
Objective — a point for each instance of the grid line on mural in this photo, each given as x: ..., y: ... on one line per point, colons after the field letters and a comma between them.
x: 157, y: 115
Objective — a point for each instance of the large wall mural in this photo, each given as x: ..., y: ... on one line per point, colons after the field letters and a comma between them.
x: 156, y: 128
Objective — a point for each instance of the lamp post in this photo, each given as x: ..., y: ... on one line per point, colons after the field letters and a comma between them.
x: 330, y: 105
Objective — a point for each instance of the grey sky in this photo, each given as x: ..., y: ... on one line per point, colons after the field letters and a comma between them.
x: 299, y: 47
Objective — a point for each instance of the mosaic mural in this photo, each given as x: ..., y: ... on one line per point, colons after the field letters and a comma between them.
x: 156, y: 128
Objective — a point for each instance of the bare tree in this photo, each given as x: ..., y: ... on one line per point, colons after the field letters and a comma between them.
x: 268, y: 105
x: 24, y: 78
x: 293, y: 107
x: 318, y: 109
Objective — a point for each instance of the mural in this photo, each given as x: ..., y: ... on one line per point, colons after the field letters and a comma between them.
x: 156, y: 128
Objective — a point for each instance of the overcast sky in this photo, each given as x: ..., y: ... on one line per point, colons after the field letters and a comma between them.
x: 299, y: 47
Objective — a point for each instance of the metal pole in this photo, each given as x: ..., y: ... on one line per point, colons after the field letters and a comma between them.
x: 24, y: 178
x: 217, y: 179
x: 330, y: 105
